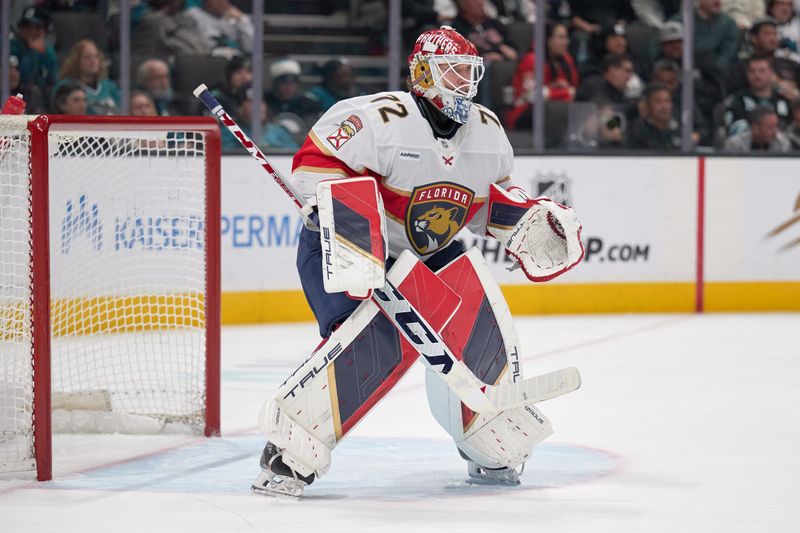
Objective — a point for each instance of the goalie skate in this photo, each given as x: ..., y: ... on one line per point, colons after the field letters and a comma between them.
x: 489, y: 476
x: 277, y: 479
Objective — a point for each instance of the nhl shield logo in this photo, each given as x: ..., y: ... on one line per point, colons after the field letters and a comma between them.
x: 554, y: 186
x: 435, y: 214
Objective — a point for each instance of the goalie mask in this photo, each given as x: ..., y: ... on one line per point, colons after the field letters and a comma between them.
x: 446, y: 68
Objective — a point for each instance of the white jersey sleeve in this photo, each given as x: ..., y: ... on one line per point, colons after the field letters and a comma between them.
x: 341, y: 144
x: 477, y: 225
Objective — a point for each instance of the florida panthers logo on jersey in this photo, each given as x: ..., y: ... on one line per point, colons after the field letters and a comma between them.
x: 346, y: 130
x: 435, y: 214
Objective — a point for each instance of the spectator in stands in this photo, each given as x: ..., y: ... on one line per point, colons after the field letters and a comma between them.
x: 86, y: 65
x: 508, y: 11
x: 446, y: 10
x: 656, y: 127
x: 487, y: 34
x: 743, y: 12
x: 793, y: 130
x: 33, y: 96
x: 69, y: 99
x: 81, y: 6
x: 224, y: 28
x: 609, y: 87
x: 38, y: 63
x: 337, y: 84
x: 237, y: 74
x: 613, y: 40
x: 286, y: 97
x: 760, y: 91
x: 603, y: 129
x: 764, y: 43
x: 505, y: 11
x: 716, y: 37
x: 763, y: 134
x: 785, y: 83
x: 788, y: 23
x: 165, y: 30
x: 655, y: 13
x: 272, y: 135
x: 489, y: 37
x: 589, y: 17
x: 419, y: 16
x: 142, y: 104
x: 667, y: 72
x: 560, y: 76
x: 708, y: 80
x: 671, y: 38
x: 153, y: 76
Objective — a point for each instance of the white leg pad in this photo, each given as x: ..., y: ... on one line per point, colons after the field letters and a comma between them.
x: 301, y: 451
x: 508, y: 439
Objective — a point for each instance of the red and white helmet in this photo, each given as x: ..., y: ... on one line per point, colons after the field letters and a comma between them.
x: 446, y: 68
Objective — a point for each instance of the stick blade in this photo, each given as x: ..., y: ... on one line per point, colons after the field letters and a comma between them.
x: 536, y: 389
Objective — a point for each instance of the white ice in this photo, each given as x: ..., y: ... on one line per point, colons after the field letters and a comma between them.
x: 684, y: 423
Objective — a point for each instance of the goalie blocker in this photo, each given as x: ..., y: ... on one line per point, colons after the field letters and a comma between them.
x: 352, y: 236
x: 366, y: 356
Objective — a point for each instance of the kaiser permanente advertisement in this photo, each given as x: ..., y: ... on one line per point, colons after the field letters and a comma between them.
x: 641, y: 232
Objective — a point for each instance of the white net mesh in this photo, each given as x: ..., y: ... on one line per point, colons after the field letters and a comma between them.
x: 16, y: 361
x: 127, y: 281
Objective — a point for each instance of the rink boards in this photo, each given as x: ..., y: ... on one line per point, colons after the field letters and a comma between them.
x: 662, y: 234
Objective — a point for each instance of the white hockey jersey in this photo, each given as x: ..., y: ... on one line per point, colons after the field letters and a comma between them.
x: 431, y: 187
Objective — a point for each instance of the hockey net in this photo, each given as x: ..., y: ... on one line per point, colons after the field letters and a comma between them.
x: 125, y: 336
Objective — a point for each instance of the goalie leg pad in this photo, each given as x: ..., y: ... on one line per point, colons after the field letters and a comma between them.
x: 508, y: 439
x: 481, y: 333
x: 352, y: 235
x: 346, y: 376
x: 300, y: 450
x: 355, y: 367
x: 498, y: 440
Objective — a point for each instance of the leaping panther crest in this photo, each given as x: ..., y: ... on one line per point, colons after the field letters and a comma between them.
x: 438, y: 225
x: 435, y: 214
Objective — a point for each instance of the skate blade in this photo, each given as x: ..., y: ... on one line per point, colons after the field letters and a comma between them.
x: 493, y: 482
x: 278, y: 492
x: 278, y: 486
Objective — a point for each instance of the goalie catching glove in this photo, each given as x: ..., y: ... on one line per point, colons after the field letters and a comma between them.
x: 543, y: 236
x: 352, y: 228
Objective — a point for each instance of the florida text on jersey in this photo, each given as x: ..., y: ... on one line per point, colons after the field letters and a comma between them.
x: 431, y: 188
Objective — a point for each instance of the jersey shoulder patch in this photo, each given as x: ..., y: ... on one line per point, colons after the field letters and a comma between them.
x: 340, y: 124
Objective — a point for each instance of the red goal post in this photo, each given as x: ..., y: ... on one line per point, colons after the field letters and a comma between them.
x: 109, y: 279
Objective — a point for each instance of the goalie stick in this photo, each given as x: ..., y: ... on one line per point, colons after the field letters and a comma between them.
x: 475, y: 394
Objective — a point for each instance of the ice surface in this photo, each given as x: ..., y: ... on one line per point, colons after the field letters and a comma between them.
x: 683, y: 423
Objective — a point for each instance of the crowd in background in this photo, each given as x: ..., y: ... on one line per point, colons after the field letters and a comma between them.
x: 612, y: 68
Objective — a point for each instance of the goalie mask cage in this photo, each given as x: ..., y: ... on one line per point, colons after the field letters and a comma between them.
x: 109, y: 279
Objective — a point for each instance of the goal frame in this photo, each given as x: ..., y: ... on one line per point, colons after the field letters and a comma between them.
x: 40, y: 262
